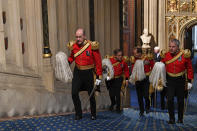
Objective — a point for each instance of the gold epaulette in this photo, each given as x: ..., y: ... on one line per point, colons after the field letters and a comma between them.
x: 162, y: 54
x: 126, y: 59
x: 132, y: 59
x: 143, y: 57
x: 187, y: 53
x: 70, y: 44
x: 95, y: 45
x: 150, y: 56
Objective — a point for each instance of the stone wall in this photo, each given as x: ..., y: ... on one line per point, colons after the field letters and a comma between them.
x: 27, y: 82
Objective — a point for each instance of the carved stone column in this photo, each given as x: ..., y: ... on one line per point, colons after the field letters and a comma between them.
x: 146, y: 14
x: 48, y: 74
x: 52, y: 24
x: 2, y: 47
x: 161, y: 27
x: 14, y: 33
x: 153, y: 12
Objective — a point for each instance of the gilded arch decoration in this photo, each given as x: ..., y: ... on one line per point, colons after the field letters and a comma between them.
x: 180, y: 14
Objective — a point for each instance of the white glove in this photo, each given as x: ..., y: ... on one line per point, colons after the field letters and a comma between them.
x: 97, y: 82
x: 189, y: 86
x: 107, y: 78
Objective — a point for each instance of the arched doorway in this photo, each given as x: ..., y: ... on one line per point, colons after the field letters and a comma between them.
x: 188, y: 37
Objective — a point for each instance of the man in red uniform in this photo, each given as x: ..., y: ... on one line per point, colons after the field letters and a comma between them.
x: 114, y: 86
x: 87, y: 60
x: 177, y: 63
x: 142, y: 86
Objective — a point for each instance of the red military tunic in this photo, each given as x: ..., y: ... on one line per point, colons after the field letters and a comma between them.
x: 88, y: 58
x: 178, y: 66
x: 120, y: 68
x: 147, y: 67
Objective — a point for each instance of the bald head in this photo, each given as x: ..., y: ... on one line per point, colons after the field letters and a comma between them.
x: 80, y: 36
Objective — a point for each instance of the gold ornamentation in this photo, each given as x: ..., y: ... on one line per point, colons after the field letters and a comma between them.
x: 187, y: 53
x: 160, y: 85
x: 95, y: 45
x: 47, y: 52
x: 172, y: 17
x: 86, y: 67
x: 184, y: 6
x: 115, y: 64
x: 47, y: 55
x: 162, y: 54
x: 126, y: 59
x: 195, y: 6
x: 70, y: 44
x: 176, y: 75
x: 82, y: 50
x: 172, y: 6
x: 174, y: 58
x: 132, y: 59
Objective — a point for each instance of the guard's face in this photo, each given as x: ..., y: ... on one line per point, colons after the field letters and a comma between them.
x: 136, y: 54
x: 118, y: 56
x: 173, y: 48
x: 79, y: 37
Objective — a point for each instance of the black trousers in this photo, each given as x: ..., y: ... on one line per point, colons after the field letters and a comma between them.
x: 176, y: 87
x: 163, y: 95
x: 114, y: 87
x: 142, y: 89
x: 83, y: 80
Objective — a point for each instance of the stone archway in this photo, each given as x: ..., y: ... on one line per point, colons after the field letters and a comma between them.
x: 183, y: 30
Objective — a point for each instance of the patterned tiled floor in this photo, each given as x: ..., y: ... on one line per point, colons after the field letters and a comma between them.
x: 109, y: 121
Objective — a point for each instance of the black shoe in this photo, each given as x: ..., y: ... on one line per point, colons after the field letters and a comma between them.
x: 111, y: 108
x: 118, y: 111
x: 93, y: 117
x: 147, y: 111
x: 171, y: 121
x: 78, y: 117
x: 141, y: 114
x: 180, y: 121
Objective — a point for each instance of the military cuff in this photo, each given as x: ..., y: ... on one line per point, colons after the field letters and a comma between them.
x: 189, y: 80
x: 99, y: 77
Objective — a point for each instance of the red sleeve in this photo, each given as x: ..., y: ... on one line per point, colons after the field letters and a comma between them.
x: 71, y: 58
x: 163, y: 60
x: 126, y: 70
x: 189, y: 68
x: 152, y: 64
x: 98, y: 63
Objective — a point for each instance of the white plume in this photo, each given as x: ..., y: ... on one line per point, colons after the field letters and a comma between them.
x: 108, y: 70
x: 158, y: 76
x: 138, y: 73
x: 62, y: 68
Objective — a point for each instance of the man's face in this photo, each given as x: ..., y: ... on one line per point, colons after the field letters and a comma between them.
x: 173, y: 48
x: 156, y: 51
x: 118, y: 56
x: 136, y: 54
x: 79, y: 36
